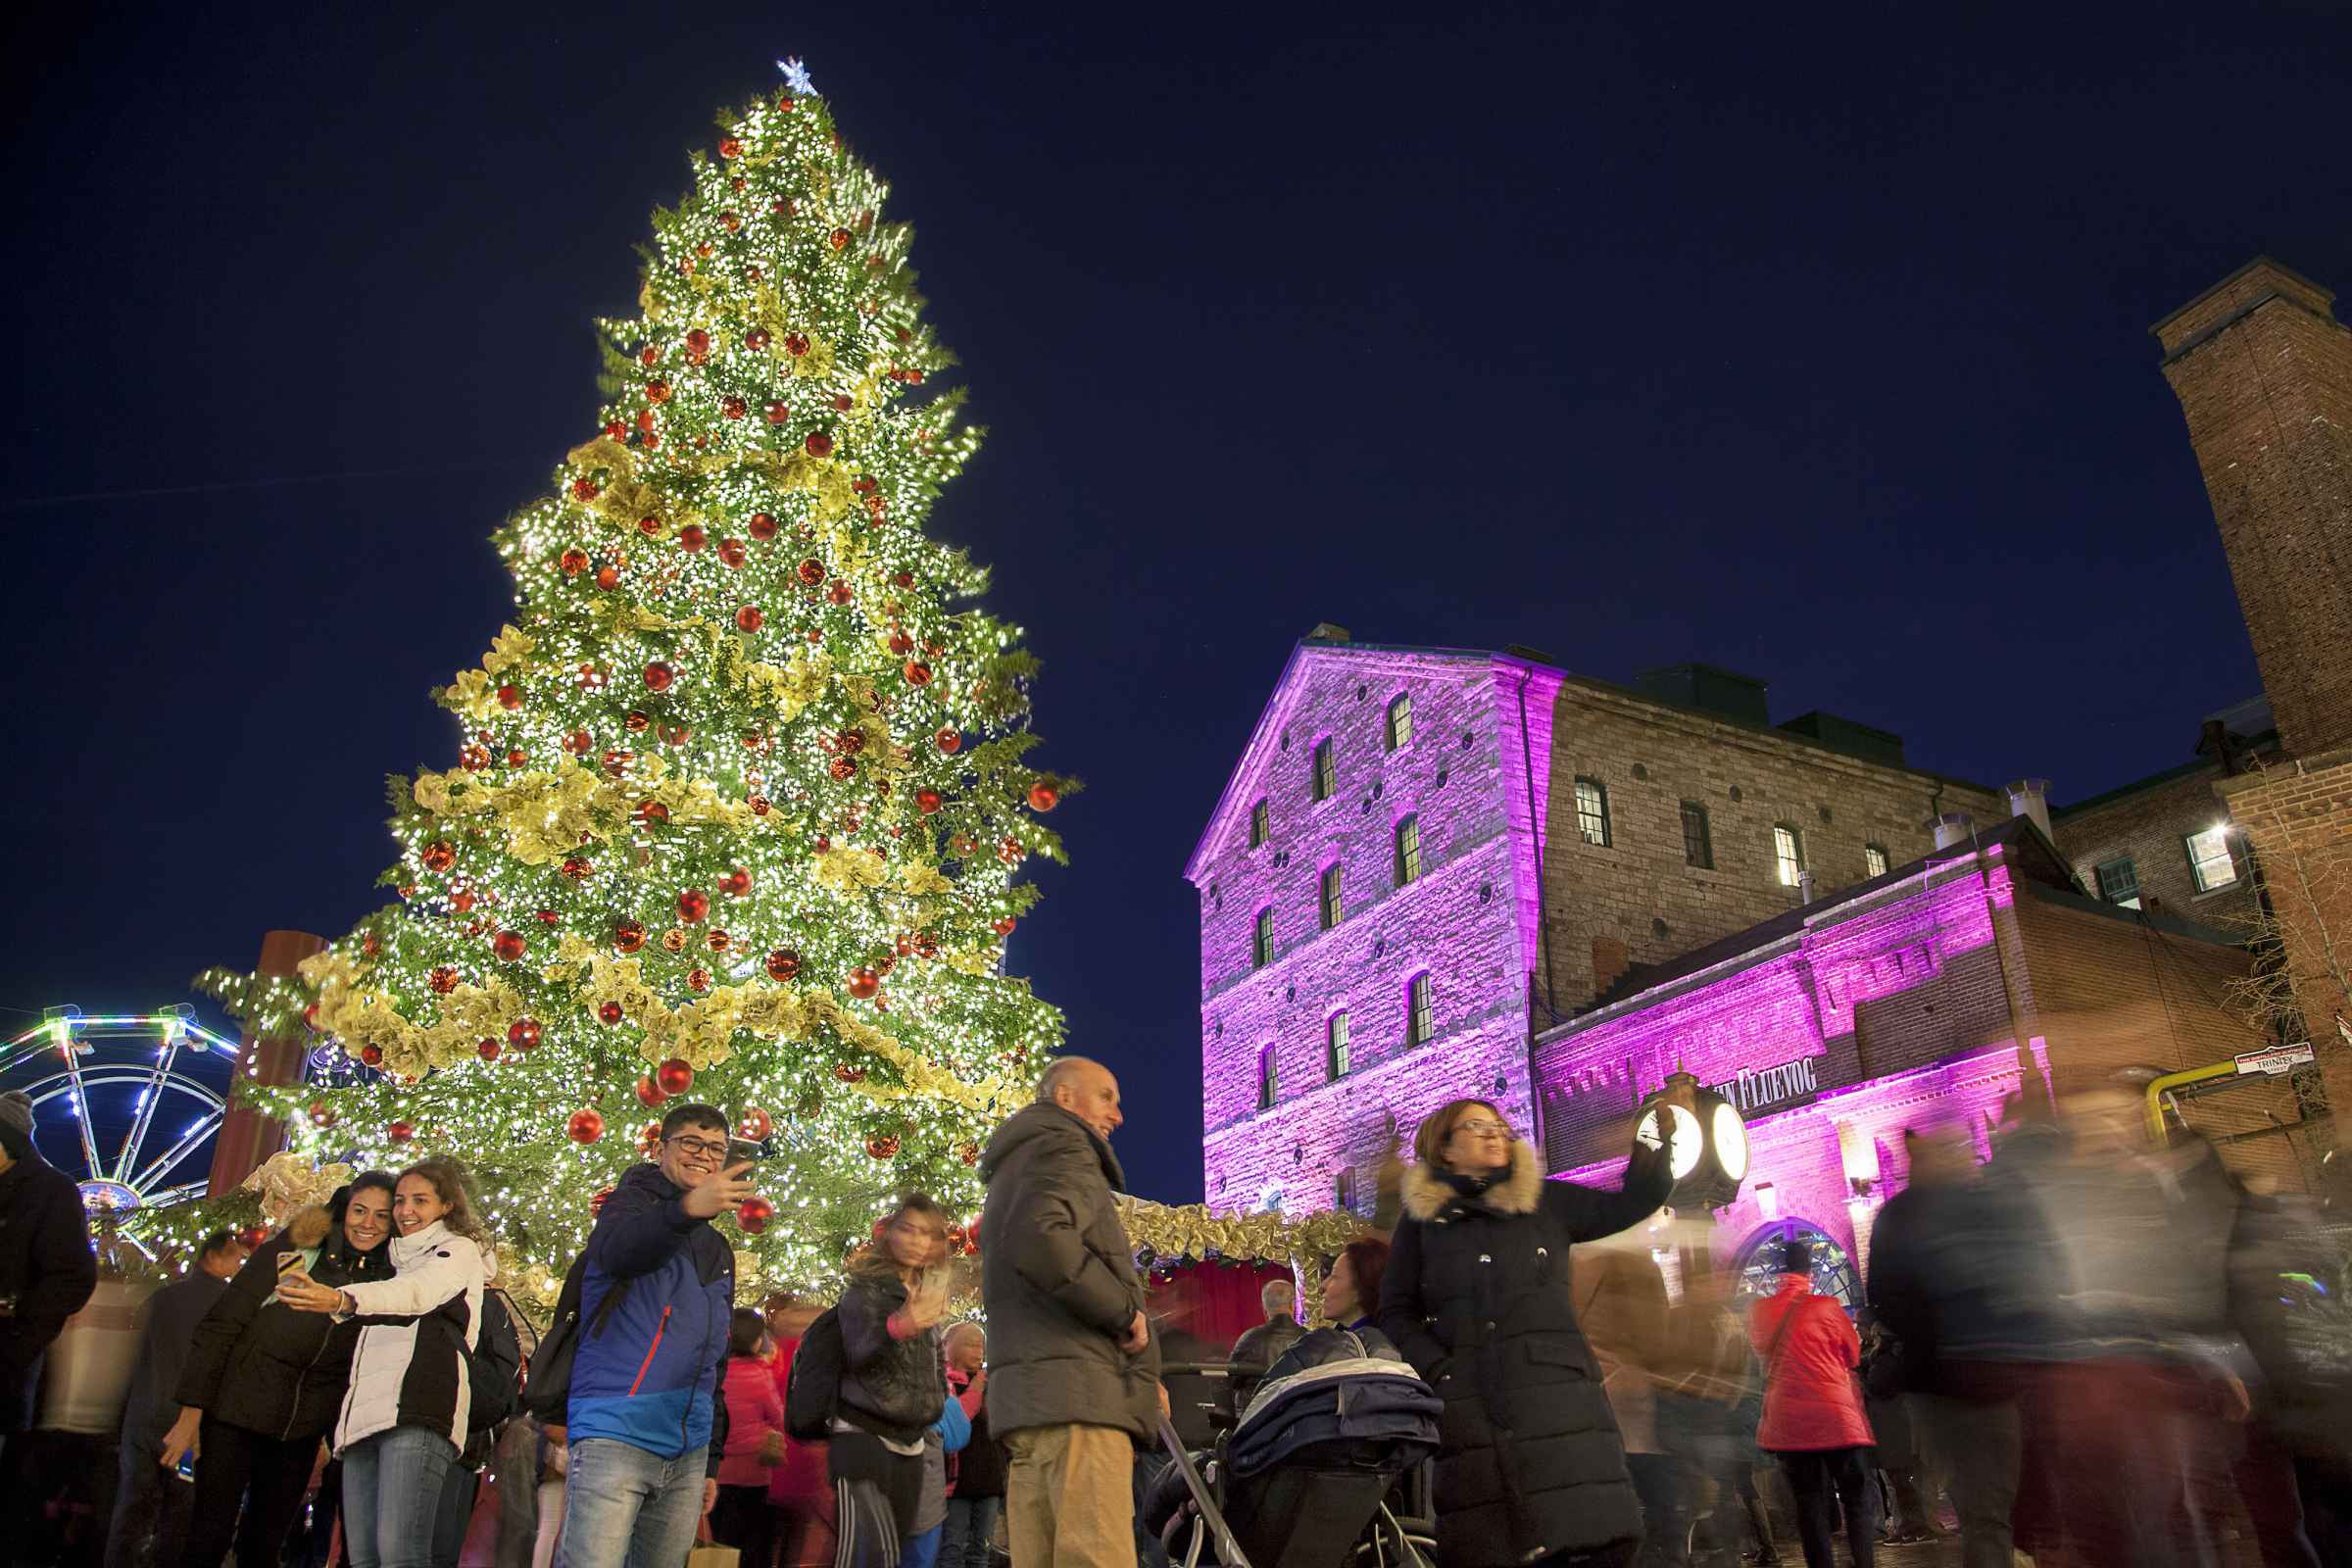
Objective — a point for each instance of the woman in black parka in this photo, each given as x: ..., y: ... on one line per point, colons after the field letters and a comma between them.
x: 262, y: 1382
x: 1531, y: 1469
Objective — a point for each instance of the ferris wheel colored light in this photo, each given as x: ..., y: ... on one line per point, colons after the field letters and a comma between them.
x: 61, y: 1061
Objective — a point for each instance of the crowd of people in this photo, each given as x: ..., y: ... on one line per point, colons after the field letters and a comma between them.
x: 2096, y: 1346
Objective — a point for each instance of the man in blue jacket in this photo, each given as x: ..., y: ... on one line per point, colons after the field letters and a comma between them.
x: 646, y: 1423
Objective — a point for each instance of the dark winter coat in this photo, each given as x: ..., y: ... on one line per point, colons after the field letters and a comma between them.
x: 650, y: 1375
x: 261, y: 1366
x: 1476, y: 1295
x: 167, y: 1322
x: 1058, y: 1276
x: 1261, y: 1347
x: 889, y: 1386
x: 47, y: 1269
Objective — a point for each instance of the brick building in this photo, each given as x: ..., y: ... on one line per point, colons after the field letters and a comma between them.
x: 2166, y: 842
x: 2264, y: 373
x: 1931, y: 993
x: 1425, y: 855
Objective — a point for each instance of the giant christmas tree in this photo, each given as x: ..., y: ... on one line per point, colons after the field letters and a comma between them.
x: 739, y: 794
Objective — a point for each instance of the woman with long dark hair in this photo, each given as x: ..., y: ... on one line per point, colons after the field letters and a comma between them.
x: 404, y: 1413
x: 1530, y: 1467
x: 1352, y: 1290
x: 894, y: 1384
x: 262, y: 1381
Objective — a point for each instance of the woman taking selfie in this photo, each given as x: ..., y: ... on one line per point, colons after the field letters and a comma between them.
x: 262, y: 1382
x: 894, y: 1384
x: 403, y: 1414
x: 1476, y: 1296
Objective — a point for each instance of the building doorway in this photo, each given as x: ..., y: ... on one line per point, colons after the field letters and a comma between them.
x: 1758, y: 1270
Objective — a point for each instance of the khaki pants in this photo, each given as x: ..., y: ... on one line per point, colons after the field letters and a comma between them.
x: 1068, y: 1497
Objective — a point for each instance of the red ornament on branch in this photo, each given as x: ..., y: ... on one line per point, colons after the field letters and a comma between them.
x: 610, y: 1012
x: 736, y: 883
x: 510, y: 698
x: 322, y: 1114
x: 886, y: 1148
x: 948, y: 741
x: 400, y: 1131
x: 749, y: 619
x: 733, y: 553
x: 584, y: 1125
x: 674, y: 1076
x: 1044, y: 796
x: 693, y: 905
x: 659, y: 676
x: 762, y: 527
x: 510, y: 945
x: 783, y: 964
x: 862, y: 983
x: 628, y: 936
x: 523, y: 1034
x: 928, y: 801
x: 754, y: 1214
x: 442, y: 981
x: 754, y: 1124
x: 649, y: 1094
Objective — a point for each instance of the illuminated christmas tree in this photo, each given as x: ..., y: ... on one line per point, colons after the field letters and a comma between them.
x: 739, y: 794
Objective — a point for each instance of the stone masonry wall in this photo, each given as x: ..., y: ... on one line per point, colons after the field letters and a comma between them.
x: 2148, y: 826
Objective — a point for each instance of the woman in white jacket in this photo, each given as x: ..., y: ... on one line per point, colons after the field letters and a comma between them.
x: 404, y: 1410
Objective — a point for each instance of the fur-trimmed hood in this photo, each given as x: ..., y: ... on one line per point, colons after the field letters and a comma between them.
x: 1427, y: 1193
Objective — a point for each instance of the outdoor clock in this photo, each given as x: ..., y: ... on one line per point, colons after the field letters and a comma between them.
x: 1709, y: 1159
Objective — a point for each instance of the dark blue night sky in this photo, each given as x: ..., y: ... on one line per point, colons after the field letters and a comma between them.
x: 1818, y: 350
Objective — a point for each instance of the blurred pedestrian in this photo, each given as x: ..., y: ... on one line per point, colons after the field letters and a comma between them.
x: 1708, y: 1402
x: 1530, y: 1469
x: 1261, y: 1345
x: 798, y: 1489
x: 1074, y: 1385
x: 47, y: 1270
x: 262, y: 1382
x: 976, y: 1476
x: 1813, y: 1422
x: 1620, y: 1300
x: 150, y: 1504
x: 893, y: 1384
x: 742, y: 1517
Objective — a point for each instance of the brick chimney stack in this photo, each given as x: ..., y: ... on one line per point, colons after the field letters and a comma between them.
x: 2264, y: 373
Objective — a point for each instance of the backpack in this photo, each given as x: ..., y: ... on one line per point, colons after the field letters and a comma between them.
x: 812, y: 1388
x: 547, y: 1386
x: 494, y: 1371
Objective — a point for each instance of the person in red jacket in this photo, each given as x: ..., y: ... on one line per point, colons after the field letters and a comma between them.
x: 1813, y: 1422
x: 743, y: 1517
x: 798, y: 1489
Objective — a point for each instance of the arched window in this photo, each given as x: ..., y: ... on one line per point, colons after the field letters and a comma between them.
x: 1420, y: 1017
x: 1408, y: 849
x: 1759, y: 1266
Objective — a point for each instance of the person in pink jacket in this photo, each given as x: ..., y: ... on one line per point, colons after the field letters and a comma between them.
x: 1813, y: 1422
x: 744, y: 1518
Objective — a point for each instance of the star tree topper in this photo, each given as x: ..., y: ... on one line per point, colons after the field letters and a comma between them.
x: 796, y: 77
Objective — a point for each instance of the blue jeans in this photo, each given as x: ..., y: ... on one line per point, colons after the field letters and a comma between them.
x: 626, y: 1508
x: 964, y: 1539
x: 922, y: 1552
x: 391, y: 1493
x: 454, y: 1515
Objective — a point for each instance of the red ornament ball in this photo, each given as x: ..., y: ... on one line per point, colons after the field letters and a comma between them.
x: 928, y: 801
x: 901, y: 644
x: 474, y: 759
x: 754, y: 1124
x: 698, y: 345
x: 818, y: 444
x: 610, y: 1013
x: 840, y: 593
x: 839, y: 239
x: 732, y: 552
x: 882, y: 1148
x: 657, y: 391
x: 729, y: 147
x: 573, y: 563
x: 674, y: 1076
x: 583, y: 489
x: 510, y: 698
x: 372, y: 1056
x: 400, y: 1131
x: 584, y: 1125
x: 608, y: 579
x: 762, y: 527
x: 577, y: 868
x: 863, y: 982
x: 755, y: 1214
x: 918, y: 674
x: 1044, y: 797
x: 1004, y: 925
x: 970, y: 1153
x: 486, y: 1049
x: 443, y: 980
x: 736, y: 883
x: 848, y: 1074
x: 691, y: 537
x: 628, y: 936
x: 811, y: 571
x: 748, y: 617
x: 698, y: 981
x: 783, y: 964
x: 510, y: 945
x: 651, y: 527
x: 524, y: 1033
x: 777, y: 413
x: 649, y: 1094
x: 902, y: 579
x: 518, y: 757
x: 733, y: 408
x: 755, y: 340
x: 660, y: 677
x: 693, y: 905
x: 322, y: 1114
x: 948, y: 741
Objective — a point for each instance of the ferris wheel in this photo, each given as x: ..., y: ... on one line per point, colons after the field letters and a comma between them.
x: 126, y: 1104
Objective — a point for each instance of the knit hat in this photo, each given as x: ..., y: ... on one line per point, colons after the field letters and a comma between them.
x: 16, y: 1107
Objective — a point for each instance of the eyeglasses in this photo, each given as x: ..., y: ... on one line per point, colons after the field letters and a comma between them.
x: 697, y: 1148
x: 1480, y: 1127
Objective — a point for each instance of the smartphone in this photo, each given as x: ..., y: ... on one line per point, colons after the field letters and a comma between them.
x: 740, y: 1149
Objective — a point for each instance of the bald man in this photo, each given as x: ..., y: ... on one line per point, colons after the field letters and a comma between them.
x: 1074, y: 1377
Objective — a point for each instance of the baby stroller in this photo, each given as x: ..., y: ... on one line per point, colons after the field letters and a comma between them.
x: 1325, y: 1466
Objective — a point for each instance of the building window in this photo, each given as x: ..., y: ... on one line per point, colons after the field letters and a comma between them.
x: 1697, y: 848
x: 1343, y: 1190
x: 1335, y: 1047
x: 1261, y: 825
x: 1408, y: 850
x: 1874, y: 859
x: 1331, y: 895
x: 1788, y: 853
x: 1269, y: 1088
x: 1420, y: 1023
x: 1401, y: 722
x: 1327, y: 770
x: 1592, y: 812
x: 2118, y: 882
x: 1261, y: 940
x: 2209, y: 862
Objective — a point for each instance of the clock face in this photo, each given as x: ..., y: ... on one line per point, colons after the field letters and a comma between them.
x: 1685, y: 1138
x: 1731, y: 1143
